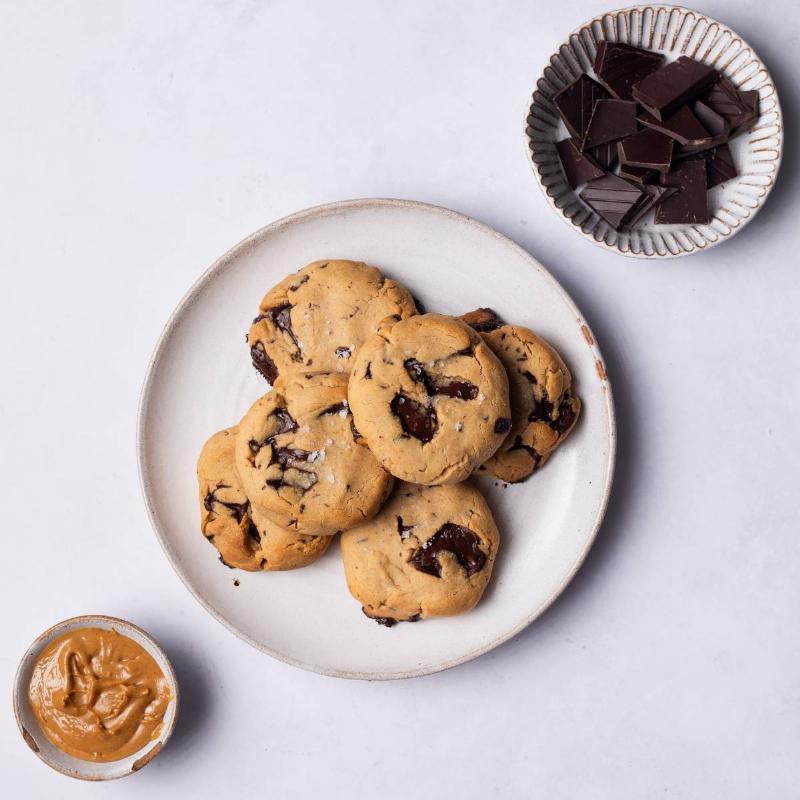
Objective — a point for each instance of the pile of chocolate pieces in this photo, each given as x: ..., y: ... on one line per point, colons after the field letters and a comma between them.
x: 666, y: 126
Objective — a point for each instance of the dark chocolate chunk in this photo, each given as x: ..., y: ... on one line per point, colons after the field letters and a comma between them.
x: 502, y: 425
x: 336, y: 408
x: 636, y: 174
x: 576, y: 102
x: 263, y: 363
x: 611, y: 120
x: 460, y: 389
x: 716, y: 125
x: 683, y: 126
x: 239, y: 509
x: 281, y: 317
x: 689, y: 204
x: 418, y: 374
x: 720, y: 166
x: 619, y: 66
x: 288, y: 456
x: 648, y: 149
x: 604, y: 154
x: 566, y: 416
x: 403, y: 529
x: 483, y: 320
x: 578, y: 167
x: 463, y: 543
x: 286, y: 422
x: 612, y: 198
x: 416, y: 419
x: 664, y: 91
x: 739, y: 108
x: 652, y: 196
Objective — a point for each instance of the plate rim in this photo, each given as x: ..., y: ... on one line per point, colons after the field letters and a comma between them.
x: 218, y: 265
x: 615, y: 248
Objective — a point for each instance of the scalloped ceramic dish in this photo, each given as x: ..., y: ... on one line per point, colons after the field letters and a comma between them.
x: 201, y: 379
x: 673, y: 31
x: 52, y: 755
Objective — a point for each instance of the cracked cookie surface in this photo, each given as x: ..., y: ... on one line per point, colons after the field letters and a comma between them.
x: 317, y: 318
x: 428, y: 553
x: 430, y: 398
x: 544, y: 408
x: 298, y: 459
x: 244, y: 538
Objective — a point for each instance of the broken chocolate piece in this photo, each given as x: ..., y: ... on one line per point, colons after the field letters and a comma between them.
x: 575, y: 104
x: 683, y: 126
x: 720, y: 166
x: 648, y: 149
x: 462, y: 390
x: 739, y: 108
x: 281, y: 317
x: 463, y: 543
x: 263, y: 363
x: 664, y: 91
x: 715, y: 124
x: 578, y: 167
x: 604, y: 154
x: 612, y: 198
x: 619, y: 66
x: 416, y: 419
x: 689, y: 205
x: 611, y: 120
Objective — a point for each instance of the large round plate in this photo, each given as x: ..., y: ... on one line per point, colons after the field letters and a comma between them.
x: 200, y: 380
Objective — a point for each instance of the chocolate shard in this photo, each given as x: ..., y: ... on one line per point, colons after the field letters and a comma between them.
x: 636, y: 174
x: 720, y: 166
x: 578, y: 167
x: 653, y: 195
x: 604, y: 154
x: 664, y: 91
x: 649, y: 149
x: 739, y: 108
x: 619, y: 66
x: 612, y: 198
x: 575, y: 104
x: 611, y: 120
x: 682, y: 126
x: 689, y: 205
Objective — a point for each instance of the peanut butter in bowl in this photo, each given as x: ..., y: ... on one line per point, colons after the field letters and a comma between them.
x: 96, y: 700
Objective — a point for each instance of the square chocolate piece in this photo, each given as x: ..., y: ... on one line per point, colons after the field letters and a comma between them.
x: 739, y: 108
x: 578, y: 167
x: 649, y: 149
x: 689, y: 205
x: 652, y: 197
x: 682, y: 126
x: 575, y: 104
x: 612, y: 198
x: 611, y: 120
x: 619, y: 66
x: 720, y: 166
x: 664, y: 91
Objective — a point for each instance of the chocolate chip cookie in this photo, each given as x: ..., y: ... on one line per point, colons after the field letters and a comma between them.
x: 430, y: 398
x: 428, y: 553
x: 544, y: 408
x: 317, y: 318
x: 300, y: 464
x: 244, y: 538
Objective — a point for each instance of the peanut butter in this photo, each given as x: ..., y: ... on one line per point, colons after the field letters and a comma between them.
x: 98, y: 695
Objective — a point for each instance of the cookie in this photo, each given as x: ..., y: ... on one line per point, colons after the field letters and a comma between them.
x: 430, y: 398
x: 428, y: 553
x: 298, y: 459
x: 544, y: 408
x: 317, y: 318
x: 244, y: 539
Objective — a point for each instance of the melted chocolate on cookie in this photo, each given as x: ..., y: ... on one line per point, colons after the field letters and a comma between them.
x: 456, y: 539
x: 416, y: 419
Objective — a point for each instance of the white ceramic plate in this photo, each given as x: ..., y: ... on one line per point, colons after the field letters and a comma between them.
x: 57, y: 758
x: 674, y: 31
x: 200, y: 380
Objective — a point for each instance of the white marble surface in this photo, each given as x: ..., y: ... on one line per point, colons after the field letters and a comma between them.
x: 142, y: 139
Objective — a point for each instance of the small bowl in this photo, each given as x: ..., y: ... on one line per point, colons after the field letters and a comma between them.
x: 59, y: 760
x: 673, y: 31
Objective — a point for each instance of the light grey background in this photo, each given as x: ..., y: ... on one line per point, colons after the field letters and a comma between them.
x: 139, y: 141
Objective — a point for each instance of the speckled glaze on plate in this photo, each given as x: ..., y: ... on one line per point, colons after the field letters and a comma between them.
x: 52, y: 755
x: 200, y: 379
x: 674, y: 31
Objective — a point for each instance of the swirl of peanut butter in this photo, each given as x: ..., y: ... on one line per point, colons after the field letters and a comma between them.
x: 98, y: 695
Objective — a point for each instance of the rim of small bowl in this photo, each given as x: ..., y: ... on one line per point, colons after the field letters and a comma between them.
x: 643, y: 254
x: 71, y: 766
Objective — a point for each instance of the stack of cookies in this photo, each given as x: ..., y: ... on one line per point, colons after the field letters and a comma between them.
x: 377, y: 416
